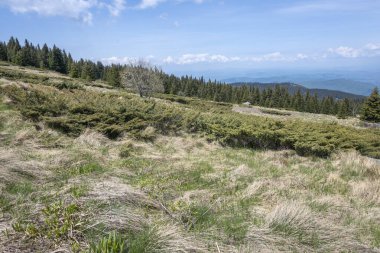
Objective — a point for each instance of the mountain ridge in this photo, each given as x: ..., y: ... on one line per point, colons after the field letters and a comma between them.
x: 293, y: 87
x: 347, y: 85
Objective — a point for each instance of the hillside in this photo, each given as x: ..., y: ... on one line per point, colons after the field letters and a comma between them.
x: 358, y: 83
x: 356, y: 87
x: 293, y: 88
x: 284, y: 97
x: 86, y: 166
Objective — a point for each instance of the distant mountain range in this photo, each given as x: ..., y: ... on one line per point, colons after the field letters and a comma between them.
x: 293, y: 88
x: 348, y: 86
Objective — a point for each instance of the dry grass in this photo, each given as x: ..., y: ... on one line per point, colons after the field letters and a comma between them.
x: 91, y: 139
x: 39, y: 72
x: 360, y: 166
x: 184, y: 194
x: 292, y: 226
x: 112, y: 189
x: 367, y: 191
x: 304, y: 116
x: 168, y: 238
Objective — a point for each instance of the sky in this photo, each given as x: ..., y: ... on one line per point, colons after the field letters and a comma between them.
x: 204, y: 35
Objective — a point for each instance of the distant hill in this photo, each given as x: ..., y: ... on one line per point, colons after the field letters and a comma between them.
x: 292, y: 88
x: 346, y: 85
x: 318, y: 82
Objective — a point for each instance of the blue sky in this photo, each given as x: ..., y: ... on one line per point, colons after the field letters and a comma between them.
x: 196, y: 35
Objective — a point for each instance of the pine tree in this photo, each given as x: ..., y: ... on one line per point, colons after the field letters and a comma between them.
x: 13, y: 47
x: 74, y: 70
x: 56, y: 61
x: 276, y: 97
x: 44, y: 57
x: 3, y: 52
x: 298, y: 101
x: 343, y: 109
x: 308, y: 102
x: 113, y: 76
x: 371, y: 107
x: 24, y: 55
x: 315, y: 107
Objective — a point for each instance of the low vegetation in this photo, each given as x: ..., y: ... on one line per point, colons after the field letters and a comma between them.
x: 71, y: 111
x: 275, y: 112
x: 91, y: 169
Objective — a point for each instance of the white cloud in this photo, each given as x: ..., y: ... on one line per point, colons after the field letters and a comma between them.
x: 347, y: 52
x: 168, y: 60
x: 197, y: 58
x: 369, y: 50
x: 302, y: 56
x: 118, y: 60
x: 116, y: 7
x: 144, y: 4
x: 77, y: 9
x: 219, y: 58
x: 126, y: 59
x: 328, y: 5
x: 373, y: 47
x: 277, y: 56
x: 149, y: 3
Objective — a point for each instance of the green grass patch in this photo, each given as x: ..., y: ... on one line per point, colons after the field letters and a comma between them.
x: 113, y: 243
x: 21, y: 188
x: 5, y: 203
x: 87, y: 168
x: 375, y: 231
x: 58, y: 221
x: 127, y: 150
x: 275, y: 112
x: 319, y: 207
x: 136, y: 163
x: 78, y: 191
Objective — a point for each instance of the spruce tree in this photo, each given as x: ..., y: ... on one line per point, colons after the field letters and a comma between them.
x: 371, y: 107
x: 13, y: 47
x: 113, y: 76
x: 315, y: 108
x: 44, y: 57
x: 3, y: 52
x: 74, y: 70
x: 24, y: 55
x: 298, y: 101
x: 343, y: 109
x: 56, y: 61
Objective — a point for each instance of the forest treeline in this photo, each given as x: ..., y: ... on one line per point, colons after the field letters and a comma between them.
x: 59, y: 60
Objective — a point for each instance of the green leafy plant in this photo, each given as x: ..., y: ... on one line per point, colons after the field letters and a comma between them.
x: 57, y: 221
x: 113, y: 243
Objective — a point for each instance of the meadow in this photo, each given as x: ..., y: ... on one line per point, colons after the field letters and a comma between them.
x: 88, y: 168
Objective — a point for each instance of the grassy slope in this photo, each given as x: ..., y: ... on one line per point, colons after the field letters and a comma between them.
x: 178, y: 193
x: 294, y: 115
x: 70, y: 106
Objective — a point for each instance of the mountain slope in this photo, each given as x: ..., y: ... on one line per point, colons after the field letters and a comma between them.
x: 163, y: 181
x: 345, y: 85
x: 328, y: 81
x: 292, y: 88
